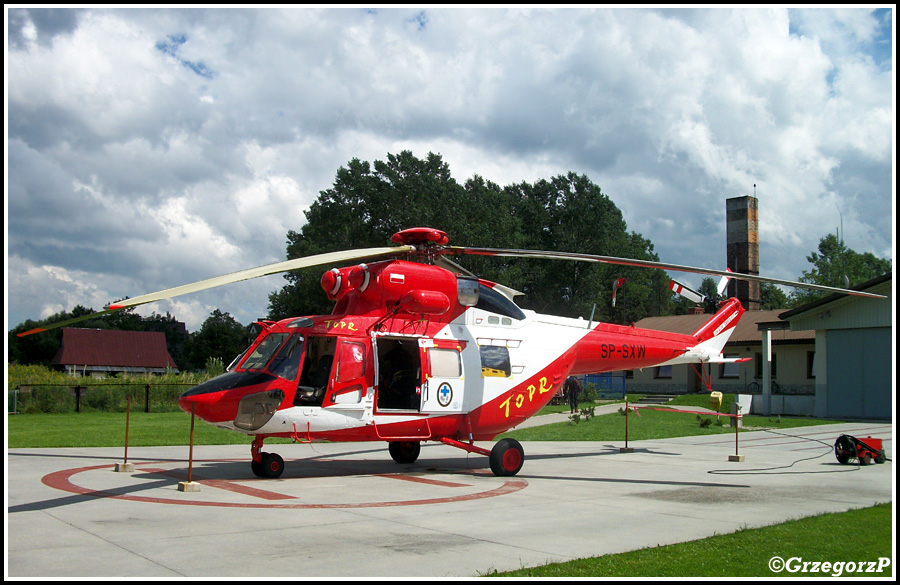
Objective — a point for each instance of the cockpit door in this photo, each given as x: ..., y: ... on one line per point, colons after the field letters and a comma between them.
x: 350, y: 373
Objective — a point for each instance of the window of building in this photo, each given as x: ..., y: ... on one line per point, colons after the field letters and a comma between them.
x: 759, y: 363
x: 730, y: 370
x: 663, y: 372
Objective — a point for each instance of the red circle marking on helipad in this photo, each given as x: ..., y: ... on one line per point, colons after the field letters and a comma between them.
x: 61, y: 480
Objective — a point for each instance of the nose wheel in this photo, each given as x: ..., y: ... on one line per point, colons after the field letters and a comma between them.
x: 268, y: 465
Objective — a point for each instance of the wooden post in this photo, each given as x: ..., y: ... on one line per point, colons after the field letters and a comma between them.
x: 736, y: 457
x: 189, y: 485
x: 147, y: 398
x: 626, y: 448
x: 191, y: 450
x: 127, y: 419
x: 125, y: 466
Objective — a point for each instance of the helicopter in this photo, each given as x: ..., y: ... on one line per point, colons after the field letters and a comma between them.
x: 418, y: 349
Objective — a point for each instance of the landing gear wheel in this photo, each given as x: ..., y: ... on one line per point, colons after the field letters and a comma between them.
x: 256, y: 468
x: 404, y: 451
x: 272, y: 465
x: 507, y: 457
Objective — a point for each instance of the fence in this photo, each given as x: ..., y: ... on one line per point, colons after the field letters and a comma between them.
x: 62, y: 398
x: 609, y: 385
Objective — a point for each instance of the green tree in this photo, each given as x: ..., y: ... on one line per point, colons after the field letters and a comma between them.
x: 771, y: 297
x: 368, y: 203
x: 570, y: 213
x: 837, y: 265
x: 221, y: 336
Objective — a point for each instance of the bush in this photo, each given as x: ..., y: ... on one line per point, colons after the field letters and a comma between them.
x: 45, y: 390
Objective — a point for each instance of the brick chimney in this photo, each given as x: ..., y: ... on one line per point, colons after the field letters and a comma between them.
x: 742, y: 229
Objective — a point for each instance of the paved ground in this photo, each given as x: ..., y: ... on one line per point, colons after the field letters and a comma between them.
x: 347, y: 510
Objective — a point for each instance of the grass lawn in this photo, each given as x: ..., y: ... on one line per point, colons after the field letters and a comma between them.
x: 107, y: 429
x: 652, y: 424
x: 847, y: 537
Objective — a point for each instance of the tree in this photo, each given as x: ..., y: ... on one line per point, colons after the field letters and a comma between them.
x: 220, y: 336
x: 368, y: 203
x: 771, y: 297
x: 837, y: 265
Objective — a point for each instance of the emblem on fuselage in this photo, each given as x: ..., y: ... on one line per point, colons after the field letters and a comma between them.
x: 444, y: 394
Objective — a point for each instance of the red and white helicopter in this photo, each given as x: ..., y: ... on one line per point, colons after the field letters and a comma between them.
x: 418, y: 350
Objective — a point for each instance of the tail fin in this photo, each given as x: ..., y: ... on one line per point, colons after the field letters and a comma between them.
x: 713, y: 335
x: 721, y: 325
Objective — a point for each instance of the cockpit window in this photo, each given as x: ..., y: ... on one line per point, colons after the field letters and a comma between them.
x: 494, y: 302
x: 287, y: 362
x: 260, y: 356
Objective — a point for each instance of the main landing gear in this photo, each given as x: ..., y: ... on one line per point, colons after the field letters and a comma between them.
x: 269, y: 465
x: 506, y: 457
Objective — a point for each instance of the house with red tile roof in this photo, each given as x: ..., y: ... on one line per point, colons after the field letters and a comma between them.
x: 96, y: 352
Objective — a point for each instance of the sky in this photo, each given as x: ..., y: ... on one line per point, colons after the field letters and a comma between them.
x: 149, y: 148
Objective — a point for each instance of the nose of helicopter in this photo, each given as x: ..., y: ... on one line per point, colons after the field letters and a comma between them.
x: 217, y: 400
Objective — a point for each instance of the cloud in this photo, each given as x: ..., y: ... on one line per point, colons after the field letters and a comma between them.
x: 152, y: 147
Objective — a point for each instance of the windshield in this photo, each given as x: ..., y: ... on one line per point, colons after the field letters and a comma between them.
x: 287, y: 362
x: 263, y: 352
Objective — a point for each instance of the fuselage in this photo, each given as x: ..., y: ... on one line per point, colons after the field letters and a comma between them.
x: 415, y: 364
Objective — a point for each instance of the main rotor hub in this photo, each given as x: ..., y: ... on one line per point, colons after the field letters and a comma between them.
x: 428, y: 242
x: 419, y: 236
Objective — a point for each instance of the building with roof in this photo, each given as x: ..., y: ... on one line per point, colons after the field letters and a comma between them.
x: 832, y: 358
x: 854, y: 351
x: 97, y: 352
x: 792, y: 360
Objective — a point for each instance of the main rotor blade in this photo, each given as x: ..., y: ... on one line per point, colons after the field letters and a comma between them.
x: 295, y: 264
x: 651, y: 264
x: 64, y: 323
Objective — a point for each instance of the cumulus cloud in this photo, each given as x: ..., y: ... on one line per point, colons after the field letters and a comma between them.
x: 148, y: 148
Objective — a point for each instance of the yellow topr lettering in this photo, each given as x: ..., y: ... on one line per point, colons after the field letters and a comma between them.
x: 545, y: 389
x: 505, y: 405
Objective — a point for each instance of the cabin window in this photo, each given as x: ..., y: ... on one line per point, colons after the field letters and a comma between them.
x: 445, y: 363
x: 495, y: 361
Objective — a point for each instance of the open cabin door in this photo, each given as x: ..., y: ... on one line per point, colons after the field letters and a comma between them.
x: 443, y: 385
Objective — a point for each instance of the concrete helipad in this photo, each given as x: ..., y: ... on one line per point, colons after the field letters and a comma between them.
x: 347, y: 510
